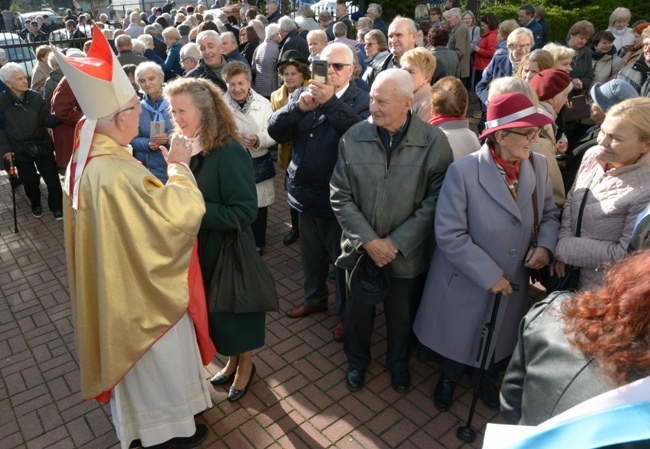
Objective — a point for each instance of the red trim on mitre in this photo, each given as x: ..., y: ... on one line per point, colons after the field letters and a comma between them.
x: 99, y: 62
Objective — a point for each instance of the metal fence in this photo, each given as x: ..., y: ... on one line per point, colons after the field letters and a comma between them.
x: 24, y: 53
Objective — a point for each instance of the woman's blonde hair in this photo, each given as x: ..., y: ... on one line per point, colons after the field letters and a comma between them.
x: 543, y: 58
x: 559, y: 52
x: 637, y: 112
x: 422, y: 59
x: 171, y: 33
x: 505, y: 28
x: 421, y: 12
x: 218, y: 126
x: 619, y: 13
x: 518, y: 35
x: 317, y: 35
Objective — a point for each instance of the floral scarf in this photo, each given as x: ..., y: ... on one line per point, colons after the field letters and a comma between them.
x: 243, y: 108
x: 509, y: 171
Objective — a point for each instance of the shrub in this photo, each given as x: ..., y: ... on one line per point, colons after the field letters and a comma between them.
x: 561, y: 14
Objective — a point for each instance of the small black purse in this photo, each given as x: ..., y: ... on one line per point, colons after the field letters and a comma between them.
x: 263, y: 167
x: 553, y: 283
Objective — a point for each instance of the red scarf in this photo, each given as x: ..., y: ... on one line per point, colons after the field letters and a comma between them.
x: 510, y: 168
x: 438, y: 119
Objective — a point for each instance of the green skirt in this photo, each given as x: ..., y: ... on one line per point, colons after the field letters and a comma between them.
x: 236, y: 333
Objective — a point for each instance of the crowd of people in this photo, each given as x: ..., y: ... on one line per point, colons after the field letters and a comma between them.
x: 385, y: 181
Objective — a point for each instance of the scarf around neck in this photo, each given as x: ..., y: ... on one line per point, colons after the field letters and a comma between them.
x: 438, y: 119
x: 156, y: 108
x: 243, y: 108
x: 509, y: 171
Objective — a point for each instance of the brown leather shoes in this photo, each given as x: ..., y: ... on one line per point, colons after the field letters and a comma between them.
x: 304, y: 310
x: 339, y: 332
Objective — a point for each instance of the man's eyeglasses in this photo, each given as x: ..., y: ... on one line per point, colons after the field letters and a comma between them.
x: 124, y: 110
x: 338, y: 66
x: 530, y: 135
x: 523, y: 47
x: 369, y: 44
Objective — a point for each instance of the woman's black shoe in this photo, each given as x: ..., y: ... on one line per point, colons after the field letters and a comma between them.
x: 220, y: 379
x: 443, y: 394
x: 235, y: 395
x: 489, y: 395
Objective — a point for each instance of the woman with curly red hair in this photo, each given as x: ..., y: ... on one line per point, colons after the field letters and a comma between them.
x: 572, y: 348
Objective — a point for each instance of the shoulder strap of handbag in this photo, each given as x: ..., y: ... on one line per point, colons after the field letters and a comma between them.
x: 535, y: 203
x: 582, y: 209
x: 536, y: 210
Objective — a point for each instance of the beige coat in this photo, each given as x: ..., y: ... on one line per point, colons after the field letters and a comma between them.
x: 546, y: 147
x: 459, y: 42
x: 39, y: 75
x: 616, y: 198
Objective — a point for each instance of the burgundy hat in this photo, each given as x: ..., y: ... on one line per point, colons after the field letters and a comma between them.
x: 548, y: 83
x: 510, y: 111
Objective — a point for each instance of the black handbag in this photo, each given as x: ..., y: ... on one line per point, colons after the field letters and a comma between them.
x: 578, y: 107
x: 37, y: 149
x: 263, y: 167
x: 553, y: 283
x: 241, y: 281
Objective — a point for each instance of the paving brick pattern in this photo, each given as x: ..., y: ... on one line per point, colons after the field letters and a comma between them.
x: 297, y: 400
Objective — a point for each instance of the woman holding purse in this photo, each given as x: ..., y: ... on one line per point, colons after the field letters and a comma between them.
x: 252, y: 112
x: 612, y: 176
x: 224, y: 174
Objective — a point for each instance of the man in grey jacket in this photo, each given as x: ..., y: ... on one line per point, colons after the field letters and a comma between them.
x: 384, y: 191
x: 459, y: 40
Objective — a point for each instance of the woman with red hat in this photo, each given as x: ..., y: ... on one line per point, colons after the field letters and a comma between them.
x: 484, y: 226
x: 552, y: 87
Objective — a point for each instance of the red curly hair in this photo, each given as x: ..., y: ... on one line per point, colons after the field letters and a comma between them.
x: 612, y: 323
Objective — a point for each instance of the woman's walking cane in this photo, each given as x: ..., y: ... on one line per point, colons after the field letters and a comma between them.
x: 465, y: 432
x: 14, y: 182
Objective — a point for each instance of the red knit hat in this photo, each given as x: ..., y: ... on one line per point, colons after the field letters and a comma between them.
x: 548, y: 83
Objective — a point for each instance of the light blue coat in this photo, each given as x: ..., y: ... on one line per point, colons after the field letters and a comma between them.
x: 481, y: 235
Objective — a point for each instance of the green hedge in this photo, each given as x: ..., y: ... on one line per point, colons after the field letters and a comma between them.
x: 560, y: 18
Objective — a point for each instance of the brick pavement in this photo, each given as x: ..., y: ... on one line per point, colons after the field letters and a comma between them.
x: 297, y: 400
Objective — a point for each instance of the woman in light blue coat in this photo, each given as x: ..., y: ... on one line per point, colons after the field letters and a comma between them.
x: 484, y: 226
x: 146, y: 147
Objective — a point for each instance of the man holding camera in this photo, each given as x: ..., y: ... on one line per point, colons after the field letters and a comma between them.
x: 315, y: 119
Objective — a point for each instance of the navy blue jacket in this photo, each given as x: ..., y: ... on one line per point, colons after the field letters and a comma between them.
x: 316, y: 136
x: 380, y: 25
x: 538, y: 34
x: 498, y: 67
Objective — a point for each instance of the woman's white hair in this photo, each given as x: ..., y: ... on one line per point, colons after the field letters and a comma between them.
x: 518, y: 34
x: 52, y: 62
x: 509, y: 85
x: 7, y: 71
x: 147, y: 40
x: 138, y: 47
x: 145, y: 67
x: 190, y: 50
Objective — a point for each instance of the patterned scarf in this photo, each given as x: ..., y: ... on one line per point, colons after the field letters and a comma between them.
x: 243, y: 108
x: 509, y: 171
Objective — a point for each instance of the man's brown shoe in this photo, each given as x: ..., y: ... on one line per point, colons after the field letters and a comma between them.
x: 303, y: 310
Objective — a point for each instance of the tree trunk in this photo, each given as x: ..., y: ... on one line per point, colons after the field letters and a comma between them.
x: 474, y: 6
